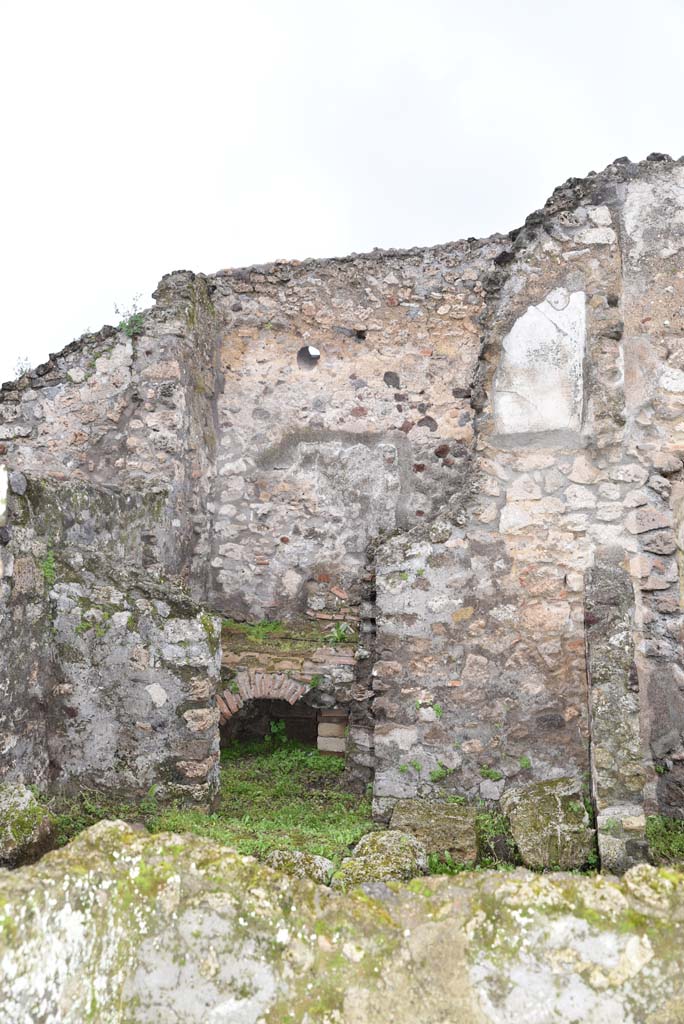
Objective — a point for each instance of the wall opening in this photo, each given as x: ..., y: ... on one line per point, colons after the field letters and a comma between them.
x: 308, y: 357
x: 255, y: 719
x: 323, y: 728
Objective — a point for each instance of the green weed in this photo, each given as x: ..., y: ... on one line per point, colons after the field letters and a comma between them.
x: 441, y: 773
x: 665, y: 839
x: 273, y: 796
x: 47, y: 567
x: 339, y: 632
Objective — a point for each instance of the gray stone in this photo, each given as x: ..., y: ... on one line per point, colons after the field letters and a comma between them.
x: 550, y: 824
x: 491, y: 789
x: 301, y: 865
x: 18, y: 483
x: 26, y: 825
x: 442, y: 826
x: 660, y: 542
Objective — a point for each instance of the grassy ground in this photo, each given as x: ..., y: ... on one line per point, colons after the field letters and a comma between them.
x: 665, y: 839
x: 274, y: 796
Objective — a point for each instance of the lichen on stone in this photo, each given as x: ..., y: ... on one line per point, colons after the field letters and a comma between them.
x: 26, y: 825
x: 381, y: 857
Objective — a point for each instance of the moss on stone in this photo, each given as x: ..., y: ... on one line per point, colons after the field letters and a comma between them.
x: 26, y: 825
x: 380, y: 857
x: 120, y: 910
x: 212, y: 634
x: 550, y: 824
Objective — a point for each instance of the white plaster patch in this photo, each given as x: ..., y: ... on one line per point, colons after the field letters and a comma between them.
x: 596, y: 236
x: 538, y: 385
x: 600, y: 216
x: 291, y: 582
x: 654, y: 216
x: 672, y: 380
x: 3, y: 495
x: 158, y: 694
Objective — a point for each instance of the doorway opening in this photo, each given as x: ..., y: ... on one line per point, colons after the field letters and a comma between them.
x: 257, y: 719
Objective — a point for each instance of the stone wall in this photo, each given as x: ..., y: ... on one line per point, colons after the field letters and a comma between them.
x: 25, y: 647
x: 470, y: 455
x: 110, y: 674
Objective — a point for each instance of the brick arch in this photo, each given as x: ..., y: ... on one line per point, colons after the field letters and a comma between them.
x: 257, y: 685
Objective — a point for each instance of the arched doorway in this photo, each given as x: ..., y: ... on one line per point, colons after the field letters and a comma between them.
x: 251, y: 702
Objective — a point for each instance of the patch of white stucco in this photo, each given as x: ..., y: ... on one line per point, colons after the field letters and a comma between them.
x: 538, y: 385
x: 3, y: 495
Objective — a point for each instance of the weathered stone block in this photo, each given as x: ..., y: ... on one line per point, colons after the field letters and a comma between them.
x: 331, y: 744
x: 441, y: 826
x: 301, y: 865
x: 550, y: 824
x: 26, y: 825
x: 381, y: 857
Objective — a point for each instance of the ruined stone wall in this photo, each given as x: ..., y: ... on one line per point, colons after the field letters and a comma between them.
x: 25, y: 643
x: 132, y: 408
x: 470, y: 455
x: 315, y: 461
x: 109, y: 675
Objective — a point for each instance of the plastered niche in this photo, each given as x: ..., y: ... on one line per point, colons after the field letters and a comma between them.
x: 538, y: 386
x: 3, y: 495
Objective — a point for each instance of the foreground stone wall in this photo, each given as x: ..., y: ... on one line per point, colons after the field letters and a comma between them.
x: 469, y: 457
x: 125, y: 926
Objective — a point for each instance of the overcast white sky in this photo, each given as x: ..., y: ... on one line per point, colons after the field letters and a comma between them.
x: 144, y: 137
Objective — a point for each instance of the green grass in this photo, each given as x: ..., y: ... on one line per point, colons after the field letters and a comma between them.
x: 273, y: 796
x: 665, y: 839
x: 495, y: 842
x: 261, y: 630
x: 48, y: 569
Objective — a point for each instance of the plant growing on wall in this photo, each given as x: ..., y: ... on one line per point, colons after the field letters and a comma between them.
x: 441, y: 773
x: 21, y: 366
x: 339, y: 632
x: 47, y: 567
x: 132, y: 321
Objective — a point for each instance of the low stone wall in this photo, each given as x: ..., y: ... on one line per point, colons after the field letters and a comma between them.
x: 122, y: 925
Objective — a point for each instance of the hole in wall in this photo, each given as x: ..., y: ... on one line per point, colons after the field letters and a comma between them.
x: 254, y: 720
x: 308, y: 357
x: 360, y: 335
